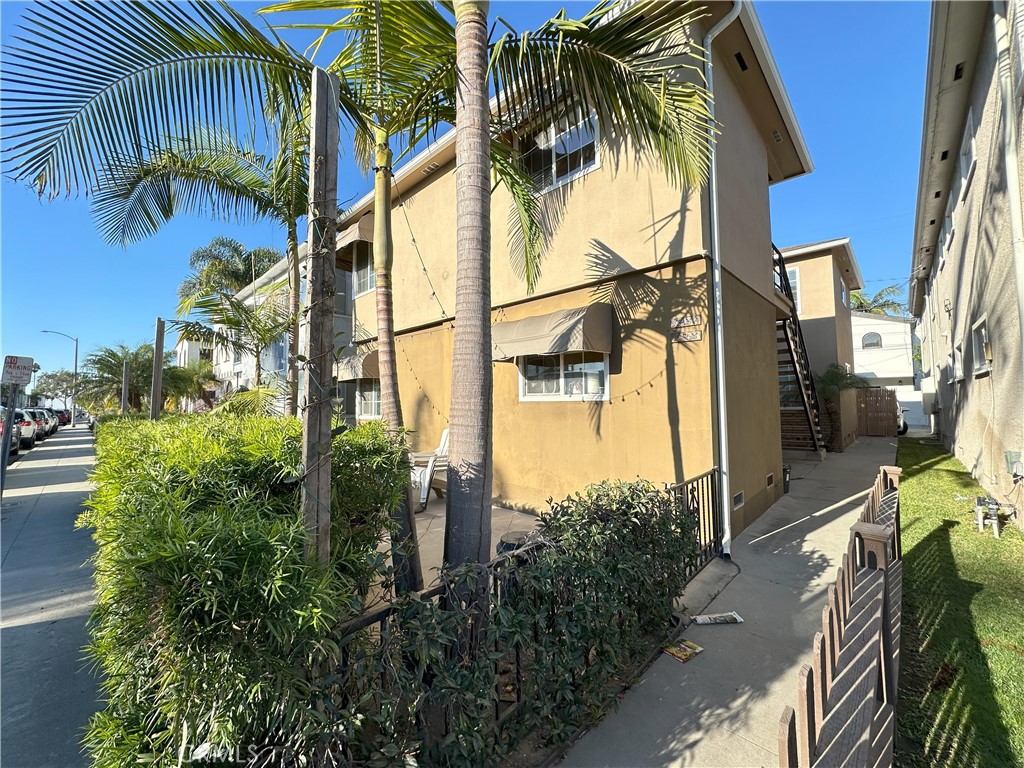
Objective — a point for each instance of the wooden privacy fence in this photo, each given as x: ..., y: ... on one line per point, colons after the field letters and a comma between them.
x: 846, y: 698
x: 877, y: 412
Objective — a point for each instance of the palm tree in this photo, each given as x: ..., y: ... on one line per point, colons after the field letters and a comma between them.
x: 882, y: 303
x: 247, y: 328
x: 229, y: 180
x: 191, y: 381
x: 830, y: 386
x: 101, y: 378
x: 223, y: 266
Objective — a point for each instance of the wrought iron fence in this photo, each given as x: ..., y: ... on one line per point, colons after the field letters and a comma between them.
x: 697, y: 502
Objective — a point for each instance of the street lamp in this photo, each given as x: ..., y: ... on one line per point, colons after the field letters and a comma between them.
x: 74, y: 382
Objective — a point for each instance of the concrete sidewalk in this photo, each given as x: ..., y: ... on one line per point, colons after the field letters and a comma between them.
x: 722, y: 708
x: 48, y: 693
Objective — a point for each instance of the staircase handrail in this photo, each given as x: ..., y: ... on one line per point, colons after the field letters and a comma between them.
x: 782, y: 279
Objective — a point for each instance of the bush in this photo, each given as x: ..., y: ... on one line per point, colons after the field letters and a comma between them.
x: 578, y: 611
x: 212, y: 630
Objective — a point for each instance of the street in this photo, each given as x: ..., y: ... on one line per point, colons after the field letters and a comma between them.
x: 47, y: 690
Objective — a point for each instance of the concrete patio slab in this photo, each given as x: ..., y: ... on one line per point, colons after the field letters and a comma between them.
x: 722, y: 708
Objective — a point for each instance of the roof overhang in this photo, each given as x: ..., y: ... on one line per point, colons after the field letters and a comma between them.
x: 954, y: 39
x: 841, y: 250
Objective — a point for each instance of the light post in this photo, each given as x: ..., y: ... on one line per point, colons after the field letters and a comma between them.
x: 74, y: 381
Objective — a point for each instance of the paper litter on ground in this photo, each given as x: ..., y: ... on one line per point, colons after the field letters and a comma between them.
x: 718, y: 618
x: 684, y: 650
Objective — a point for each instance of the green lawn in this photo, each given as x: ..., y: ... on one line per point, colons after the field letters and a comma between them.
x: 961, y: 698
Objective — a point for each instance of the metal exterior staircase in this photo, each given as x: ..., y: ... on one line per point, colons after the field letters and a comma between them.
x: 798, y: 400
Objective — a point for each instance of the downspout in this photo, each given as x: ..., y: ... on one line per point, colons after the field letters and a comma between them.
x: 1003, y: 71
x: 725, y: 494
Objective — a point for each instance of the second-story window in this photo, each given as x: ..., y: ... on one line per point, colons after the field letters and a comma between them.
x: 363, y: 277
x: 871, y: 341
x: 967, y: 158
x: 558, y: 154
x: 794, y: 283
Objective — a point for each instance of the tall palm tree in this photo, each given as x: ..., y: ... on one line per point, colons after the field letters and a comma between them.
x: 884, y: 302
x: 229, y: 180
x: 223, y: 266
x: 830, y: 385
x: 101, y: 378
x: 247, y: 328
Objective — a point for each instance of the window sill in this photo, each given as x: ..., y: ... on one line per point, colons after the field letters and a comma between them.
x: 364, y: 293
x: 563, y: 398
x: 571, y: 178
x: 983, y: 372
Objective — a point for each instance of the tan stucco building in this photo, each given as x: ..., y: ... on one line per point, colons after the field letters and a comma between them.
x: 967, y: 273
x: 822, y: 276
x: 607, y: 369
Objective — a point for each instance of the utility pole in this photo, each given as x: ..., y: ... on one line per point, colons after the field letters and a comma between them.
x: 156, y: 401
x: 319, y: 351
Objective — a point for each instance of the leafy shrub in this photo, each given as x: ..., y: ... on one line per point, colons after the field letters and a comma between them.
x: 212, y: 630
x: 578, y: 611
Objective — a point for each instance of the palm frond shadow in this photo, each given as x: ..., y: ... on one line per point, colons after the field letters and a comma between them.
x: 646, y: 306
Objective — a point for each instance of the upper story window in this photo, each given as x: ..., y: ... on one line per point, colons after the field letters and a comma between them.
x: 559, y: 154
x: 794, y: 283
x: 843, y: 293
x: 206, y: 354
x: 871, y: 341
x: 958, y: 362
x: 567, y: 376
x: 968, y: 161
x: 341, y: 292
x: 981, y: 347
x: 363, y: 277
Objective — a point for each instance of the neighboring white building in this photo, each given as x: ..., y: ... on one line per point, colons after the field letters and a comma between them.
x: 235, y: 370
x: 967, y: 274
x: 883, y: 353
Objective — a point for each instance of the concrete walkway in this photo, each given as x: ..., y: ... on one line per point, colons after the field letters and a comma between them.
x: 722, y: 708
x: 48, y: 693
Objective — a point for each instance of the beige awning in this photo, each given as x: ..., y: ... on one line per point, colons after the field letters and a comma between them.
x: 355, y: 364
x: 361, y: 230
x: 583, y: 329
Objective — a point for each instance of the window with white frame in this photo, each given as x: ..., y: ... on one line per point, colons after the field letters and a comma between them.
x: 794, y: 283
x: 958, y: 362
x: 843, y: 295
x: 980, y: 347
x: 368, y: 399
x: 341, y: 292
x: 363, y: 277
x: 967, y: 159
x: 567, y: 376
x: 558, y: 154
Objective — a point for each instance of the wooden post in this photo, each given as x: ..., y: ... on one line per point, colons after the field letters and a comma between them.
x: 319, y: 347
x: 156, y: 401
x: 12, y: 402
x: 124, y: 389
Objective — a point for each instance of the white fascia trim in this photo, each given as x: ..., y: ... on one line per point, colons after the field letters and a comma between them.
x: 755, y: 33
x: 801, y: 250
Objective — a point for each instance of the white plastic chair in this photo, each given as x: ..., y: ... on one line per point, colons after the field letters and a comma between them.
x: 425, y: 464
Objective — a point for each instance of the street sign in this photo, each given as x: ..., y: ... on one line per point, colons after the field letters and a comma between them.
x: 17, y: 370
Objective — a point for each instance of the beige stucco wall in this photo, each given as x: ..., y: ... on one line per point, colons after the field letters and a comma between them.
x: 982, y: 412
x: 752, y: 391
x: 657, y: 423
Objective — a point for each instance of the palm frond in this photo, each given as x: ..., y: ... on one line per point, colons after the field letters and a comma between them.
x: 88, y: 85
x: 626, y: 66
x: 526, y: 235
x: 218, y: 178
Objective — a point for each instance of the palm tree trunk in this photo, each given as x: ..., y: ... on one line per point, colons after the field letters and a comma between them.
x: 468, y: 529
x: 404, y: 550
x: 258, y: 376
x: 292, y: 397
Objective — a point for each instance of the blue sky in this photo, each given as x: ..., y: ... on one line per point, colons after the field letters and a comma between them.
x: 854, y: 73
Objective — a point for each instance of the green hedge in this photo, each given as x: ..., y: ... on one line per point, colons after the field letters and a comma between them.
x: 217, y: 638
x: 210, y: 628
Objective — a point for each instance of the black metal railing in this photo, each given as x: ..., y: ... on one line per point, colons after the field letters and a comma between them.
x: 802, y: 364
x: 697, y: 501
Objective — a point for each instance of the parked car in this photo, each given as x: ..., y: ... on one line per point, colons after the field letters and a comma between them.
x: 63, y: 417
x: 14, y: 438
x: 28, y: 428
x: 52, y: 418
x: 42, y: 422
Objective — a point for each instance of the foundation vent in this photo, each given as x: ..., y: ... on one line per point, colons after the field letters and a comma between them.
x: 770, y: 480
x: 737, y: 500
